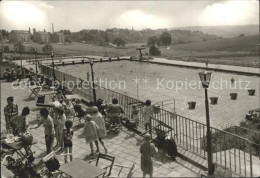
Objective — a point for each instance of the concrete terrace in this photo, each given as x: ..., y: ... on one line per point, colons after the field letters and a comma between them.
x: 122, y: 146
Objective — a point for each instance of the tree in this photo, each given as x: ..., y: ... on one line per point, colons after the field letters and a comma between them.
x: 154, y: 51
x: 152, y: 41
x: 6, y: 49
x: 119, y: 42
x: 19, y: 47
x: 165, y: 38
x: 47, y: 48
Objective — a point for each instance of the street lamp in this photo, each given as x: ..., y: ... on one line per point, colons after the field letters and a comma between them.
x: 35, y: 57
x: 53, y: 72
x: 205, y: 79
x: 91, y: 62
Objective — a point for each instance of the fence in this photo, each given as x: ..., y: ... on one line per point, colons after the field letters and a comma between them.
x: 230, y: 151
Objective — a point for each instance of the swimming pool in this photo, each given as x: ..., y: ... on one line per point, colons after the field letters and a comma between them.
x: 161, y: 82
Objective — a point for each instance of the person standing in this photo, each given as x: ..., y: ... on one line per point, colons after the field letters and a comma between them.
x: 20, y: 122
x: 47, y: 123
x: 61, y: 118
x: 10, y: 110
x: 148, y: 114
x: 90, y: 132
x: 134, y: 115
x: 147, y: 151
x: 68, y: 134
x: 101, y: 131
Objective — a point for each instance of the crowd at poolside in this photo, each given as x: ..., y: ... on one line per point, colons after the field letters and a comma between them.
x: 58, y: 124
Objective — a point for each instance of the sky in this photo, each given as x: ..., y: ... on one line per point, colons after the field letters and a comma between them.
x: 78, y: 15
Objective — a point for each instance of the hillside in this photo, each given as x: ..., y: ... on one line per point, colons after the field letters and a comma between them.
x: 226, y: 31
x: 244, y: 43
x: 100, y: 37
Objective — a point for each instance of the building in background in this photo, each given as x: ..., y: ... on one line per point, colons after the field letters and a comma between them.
x: 41, y: 37
x: 19, y: 36
x: 58, y: 38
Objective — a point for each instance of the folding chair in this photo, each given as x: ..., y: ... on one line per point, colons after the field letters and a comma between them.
x: 105, y: 157
x: 130, y: 173
x: 34, y: 91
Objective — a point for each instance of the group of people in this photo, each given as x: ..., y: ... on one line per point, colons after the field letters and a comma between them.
x: 57, y: 123
x: 13, y: 74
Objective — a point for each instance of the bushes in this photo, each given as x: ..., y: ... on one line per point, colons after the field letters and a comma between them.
x: 47, y: 48
x: 154, y: 51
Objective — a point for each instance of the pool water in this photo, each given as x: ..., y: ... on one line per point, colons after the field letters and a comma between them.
x: 182, y: 85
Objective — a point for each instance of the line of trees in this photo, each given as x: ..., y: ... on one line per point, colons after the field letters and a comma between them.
x: 154, y: 42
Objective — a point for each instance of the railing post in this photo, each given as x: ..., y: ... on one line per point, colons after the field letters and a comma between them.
x: 251, y: 166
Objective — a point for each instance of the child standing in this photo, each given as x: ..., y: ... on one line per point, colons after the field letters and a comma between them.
x: 68, y: 134
x: 134, y: 115
x: 90, y: 132
x: 101, y: 131
x: 60, y: 127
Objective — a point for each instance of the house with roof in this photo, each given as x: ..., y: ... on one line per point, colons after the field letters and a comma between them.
x: 58, y: 38
x: 41, y: 37
x: 19, y: 36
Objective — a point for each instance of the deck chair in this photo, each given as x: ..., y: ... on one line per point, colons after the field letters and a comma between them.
x: 107, y: 168
x: 130, y: 173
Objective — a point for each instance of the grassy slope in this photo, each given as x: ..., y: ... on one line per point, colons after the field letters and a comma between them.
x: 235, y: 51
x: 247, y: 43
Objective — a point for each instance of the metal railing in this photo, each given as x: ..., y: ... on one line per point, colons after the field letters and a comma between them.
x: 230, y: 151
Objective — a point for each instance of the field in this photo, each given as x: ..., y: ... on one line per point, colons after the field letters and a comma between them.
x: 242, y: 51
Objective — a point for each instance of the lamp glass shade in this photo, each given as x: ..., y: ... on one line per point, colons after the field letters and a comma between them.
x: 52, y: 54
x: 205, y: 77
x: 91, y: 61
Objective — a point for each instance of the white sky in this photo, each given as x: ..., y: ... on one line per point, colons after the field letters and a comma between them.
x: 78, y: 15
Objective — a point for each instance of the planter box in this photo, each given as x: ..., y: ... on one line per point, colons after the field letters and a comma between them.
x: 251, y: 92
x: 192, y: 104
x: 214, y: 100
x: 233, y: 96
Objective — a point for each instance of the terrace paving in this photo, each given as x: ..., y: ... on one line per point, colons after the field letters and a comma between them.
x: 123, y: 147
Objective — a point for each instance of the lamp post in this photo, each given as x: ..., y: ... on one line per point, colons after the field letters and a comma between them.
x: 91, y: 62
x: 53, y: 72
x: 35, y: 57
x: 205, y: 79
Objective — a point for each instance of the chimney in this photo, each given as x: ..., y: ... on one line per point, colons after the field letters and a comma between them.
x: 29, y: 30
x: 34, y: 30
x: 52, y: 28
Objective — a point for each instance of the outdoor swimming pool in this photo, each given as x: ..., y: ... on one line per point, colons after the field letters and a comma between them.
x: 160, y: 83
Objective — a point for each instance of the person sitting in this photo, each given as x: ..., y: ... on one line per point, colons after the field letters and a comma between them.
x: 60, y: 96
x: 19, y: 74
x: 114, y: 111
x: 13, y: 75
x: 7, y: 75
